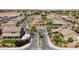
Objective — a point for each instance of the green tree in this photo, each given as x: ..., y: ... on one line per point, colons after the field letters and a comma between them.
x: 49, y: 24
x: 25, y: 16
x: 18, y: 24
x: 77, y: 29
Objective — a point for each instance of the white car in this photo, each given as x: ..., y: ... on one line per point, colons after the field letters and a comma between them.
x: 26, y: 36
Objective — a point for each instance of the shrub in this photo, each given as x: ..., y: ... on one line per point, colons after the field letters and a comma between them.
x: 77, y: 29
x: 8, y: 41
x: 18, y: 24
x: 70, y: 40
x: 77, y: 45
x: 18, y: 43
x: 57, y: 38
x: 0, y: 32
x: 64, y: 42
x: 65, y: 45
x: 22, y: 42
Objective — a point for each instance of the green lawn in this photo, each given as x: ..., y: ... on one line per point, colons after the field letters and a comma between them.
x: 7, y: 41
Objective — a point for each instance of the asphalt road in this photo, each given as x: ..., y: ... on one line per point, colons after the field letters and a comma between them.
x: 5, y: 19
x: 44, y: 40
x: 33, y: 45
x: 45, y: 45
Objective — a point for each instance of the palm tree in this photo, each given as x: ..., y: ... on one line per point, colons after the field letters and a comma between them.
x: 73, y: 22
x: 31, y: 30
x: 44, y: 16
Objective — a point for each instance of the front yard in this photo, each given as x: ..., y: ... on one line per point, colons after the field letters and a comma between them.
x: 13, y: 43
x: 59, y: 41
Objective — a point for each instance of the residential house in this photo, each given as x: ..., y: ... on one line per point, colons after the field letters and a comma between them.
x: 66, y: 33
x: 58, y: 23
x: 11, y: 32
x: 56, y: 20
x: 9, y: 29
x: 37, y: 21
x: 12, y: 22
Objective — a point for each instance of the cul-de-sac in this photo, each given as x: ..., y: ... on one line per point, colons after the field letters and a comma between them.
x: 39, y: 29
